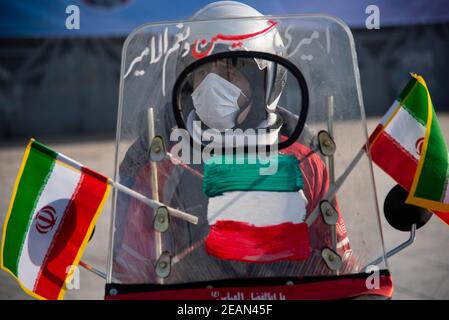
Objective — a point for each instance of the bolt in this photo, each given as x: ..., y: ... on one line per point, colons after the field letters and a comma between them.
x: 113, y: 292
x: 331, y: 257
x: 157, y: 149
x: 163, y: 264
x: 329, y: 212
x: 327, y: 143
x: 161, y: 219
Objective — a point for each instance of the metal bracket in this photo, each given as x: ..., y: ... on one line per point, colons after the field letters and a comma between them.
x: 326, y: 143
x: 331, y: 258
x: 163, y: 265
x: 329, y: 213
x: 397, y: 249
x: 157, y: 149
x: 161, y: 219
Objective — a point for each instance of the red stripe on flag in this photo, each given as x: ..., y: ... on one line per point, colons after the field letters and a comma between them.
x: 95, y: 174
x: 70, y: 236
x: 373, y: 136
x: 443, y: 216
x: 389, y: 155
x: 244, y: 242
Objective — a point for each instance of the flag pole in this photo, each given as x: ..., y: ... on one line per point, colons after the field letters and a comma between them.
x: 331, y: 163
x: 154, y: 179
x: 153, y: 203
x: 92, y: 269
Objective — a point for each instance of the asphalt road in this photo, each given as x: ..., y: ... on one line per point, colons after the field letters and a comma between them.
x: 419, y: 272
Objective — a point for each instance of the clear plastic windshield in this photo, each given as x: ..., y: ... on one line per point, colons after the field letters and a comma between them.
x: 217, y: 214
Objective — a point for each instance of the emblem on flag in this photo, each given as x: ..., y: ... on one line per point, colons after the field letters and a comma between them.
x: 45, y: 219
x: 419, y: 144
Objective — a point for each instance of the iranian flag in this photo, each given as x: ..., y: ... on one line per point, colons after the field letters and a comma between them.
x: 409, y: 145
x: 53, y: 210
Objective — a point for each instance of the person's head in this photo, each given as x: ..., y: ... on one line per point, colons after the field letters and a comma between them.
x: 222, y: 93
x: 227, y: 69
x: 229, y: 93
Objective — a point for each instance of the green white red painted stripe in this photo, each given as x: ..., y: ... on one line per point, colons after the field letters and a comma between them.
x: 258, y: 226
x: 55, y: 204
x: 258, y: 208
x: 253, y: 217
x: 408, y: 145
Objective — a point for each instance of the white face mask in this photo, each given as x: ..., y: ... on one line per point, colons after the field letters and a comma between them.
x: 215, y: 102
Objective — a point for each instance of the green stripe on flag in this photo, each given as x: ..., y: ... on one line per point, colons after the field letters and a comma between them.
x: 36, y: 171
x: 414, y: 99
x: 432, y: 182
x: 407, y: 89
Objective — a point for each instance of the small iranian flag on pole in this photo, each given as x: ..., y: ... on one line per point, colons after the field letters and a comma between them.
x: 409, y: 145
x: 52, y: 213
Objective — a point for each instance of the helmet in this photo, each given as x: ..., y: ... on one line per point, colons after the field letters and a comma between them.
x: 251, y: 35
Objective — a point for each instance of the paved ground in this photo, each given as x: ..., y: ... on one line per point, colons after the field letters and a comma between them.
x: 419, y: 272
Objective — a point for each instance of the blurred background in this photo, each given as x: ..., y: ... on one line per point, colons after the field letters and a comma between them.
x: 61, y: 87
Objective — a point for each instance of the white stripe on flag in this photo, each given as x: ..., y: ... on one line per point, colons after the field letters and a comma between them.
x: 259, y: 208
x: 390, y: 111
x: 57, y: 193
x: 406, y: 131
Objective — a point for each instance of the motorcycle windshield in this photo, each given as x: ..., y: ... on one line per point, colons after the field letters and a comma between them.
x: 294, y: 198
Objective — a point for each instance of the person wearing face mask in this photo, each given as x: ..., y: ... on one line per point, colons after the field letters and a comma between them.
x: 223, y: 94
x: 231, y: 94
